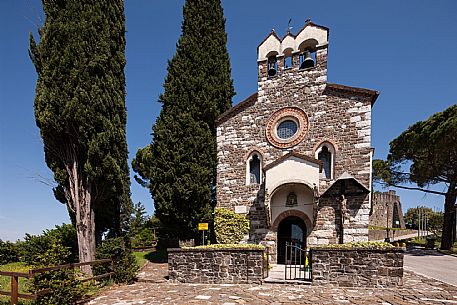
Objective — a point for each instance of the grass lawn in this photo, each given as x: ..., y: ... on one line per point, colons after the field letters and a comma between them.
x: 5, y: 281
x: 157, y: 256
x: 141, y: 257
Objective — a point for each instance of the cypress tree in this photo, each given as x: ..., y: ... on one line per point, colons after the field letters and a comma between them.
x: 180, y: 164
x: 80, y: 111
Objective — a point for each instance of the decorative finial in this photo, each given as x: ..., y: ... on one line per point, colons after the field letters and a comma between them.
x: 288, y: 26
x: 308, y: 20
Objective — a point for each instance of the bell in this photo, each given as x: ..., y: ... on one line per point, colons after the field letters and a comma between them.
x: 308, y: 62
x: 272, y: 68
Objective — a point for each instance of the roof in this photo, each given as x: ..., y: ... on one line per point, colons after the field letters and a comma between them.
x: 338, y: 183
x: 307, y: 23
x: 271, y: 33
x: 237, y: 108
x: 354, y: 90
x: 329, y: 86
x: 310, y: 23
x: 297, y: 155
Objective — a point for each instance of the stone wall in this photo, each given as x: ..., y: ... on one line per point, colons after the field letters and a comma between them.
x: 216, y: 266
x: 386, y: 209
x: 357, y: 267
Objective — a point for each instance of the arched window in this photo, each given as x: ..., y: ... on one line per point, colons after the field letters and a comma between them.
x: 326, y: 154
x: 254, y: 168
x: 288, y: 61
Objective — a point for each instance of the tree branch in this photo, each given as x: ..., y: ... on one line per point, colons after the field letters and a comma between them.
x: 416, y: 189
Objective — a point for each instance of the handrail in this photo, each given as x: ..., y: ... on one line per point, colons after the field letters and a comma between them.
x: 14, y: 292
x: 68, y: 266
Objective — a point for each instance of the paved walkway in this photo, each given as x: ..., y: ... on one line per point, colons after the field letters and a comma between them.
x: 152, y: 288
x: 433, y: 264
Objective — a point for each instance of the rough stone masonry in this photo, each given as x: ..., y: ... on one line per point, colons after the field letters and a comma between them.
x: 312, y: 140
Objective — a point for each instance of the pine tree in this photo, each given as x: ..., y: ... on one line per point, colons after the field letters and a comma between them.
x: 80, y: 111
x: 180, y: 165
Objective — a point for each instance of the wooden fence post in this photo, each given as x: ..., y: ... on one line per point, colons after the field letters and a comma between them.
x: 14, y: 289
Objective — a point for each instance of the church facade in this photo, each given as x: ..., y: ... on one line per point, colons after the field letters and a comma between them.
x: 295, y: 157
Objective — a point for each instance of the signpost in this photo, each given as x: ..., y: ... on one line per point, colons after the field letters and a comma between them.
x: 203, y: 226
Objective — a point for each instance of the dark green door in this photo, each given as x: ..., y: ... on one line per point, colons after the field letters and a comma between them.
x: 292, y: 229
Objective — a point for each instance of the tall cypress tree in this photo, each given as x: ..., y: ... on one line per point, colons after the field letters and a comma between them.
x: 180, y: 165
x: 80, y: 110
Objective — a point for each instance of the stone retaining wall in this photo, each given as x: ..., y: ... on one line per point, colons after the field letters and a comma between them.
x: 357, y: 267
x: 216, y: 266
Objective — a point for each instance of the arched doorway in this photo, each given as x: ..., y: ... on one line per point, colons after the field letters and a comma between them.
x: 291, y: 229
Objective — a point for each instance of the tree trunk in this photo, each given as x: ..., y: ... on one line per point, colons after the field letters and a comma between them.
x: 84, y: 216
x: 449, y: 217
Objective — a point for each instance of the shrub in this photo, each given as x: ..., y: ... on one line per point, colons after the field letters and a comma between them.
x: 358, y: 245
x: 125, y: 267
x: 35, y: 246
x: 9, y: 252
x: 63, y: 284
x: 230, y: 228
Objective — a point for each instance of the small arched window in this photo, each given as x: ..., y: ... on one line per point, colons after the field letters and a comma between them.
x: 326, y: 154
x: 254, y: 168
x: 288, y: 62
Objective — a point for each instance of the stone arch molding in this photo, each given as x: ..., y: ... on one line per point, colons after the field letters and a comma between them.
x: 296, y: 213
x: 281, y: 183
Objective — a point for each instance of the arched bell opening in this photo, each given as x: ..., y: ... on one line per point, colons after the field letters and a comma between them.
x: 308, y: 54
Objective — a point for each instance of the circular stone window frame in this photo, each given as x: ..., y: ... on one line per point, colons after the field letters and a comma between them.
x: 288, y: 113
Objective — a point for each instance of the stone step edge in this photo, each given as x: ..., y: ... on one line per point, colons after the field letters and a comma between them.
x: 280, y: 281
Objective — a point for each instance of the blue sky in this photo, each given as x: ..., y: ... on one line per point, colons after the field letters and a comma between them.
x: 405, y: 49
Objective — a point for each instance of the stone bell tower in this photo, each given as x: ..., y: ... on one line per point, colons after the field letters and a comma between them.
x: 299, y: 59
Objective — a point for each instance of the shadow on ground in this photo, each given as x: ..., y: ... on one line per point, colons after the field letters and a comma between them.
x: 423, y: 252
x: 158, y: 256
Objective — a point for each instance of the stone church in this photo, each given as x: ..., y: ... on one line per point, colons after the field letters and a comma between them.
x: 295, y: 157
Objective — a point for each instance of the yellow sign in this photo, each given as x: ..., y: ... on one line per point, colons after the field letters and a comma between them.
x: 203, y: 226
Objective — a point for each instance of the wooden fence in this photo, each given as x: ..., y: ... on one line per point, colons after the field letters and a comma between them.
x: 14, y: 291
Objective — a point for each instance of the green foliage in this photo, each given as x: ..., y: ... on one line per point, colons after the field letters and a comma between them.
x: 125, y: 266
x: 63, y: 284
x: 426, y: 154
x: 80, y: 107
x: 359, y: 245
x: 9, y: 252
x: 434, y: 219
x: 179, y: 167
x: 35, y: 246
x: 138, y: 218
x: 142, y: 227
x: 229, y: 246
x: 230, y: 228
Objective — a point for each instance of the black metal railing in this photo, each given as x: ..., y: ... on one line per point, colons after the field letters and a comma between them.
x: 297, y: 263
